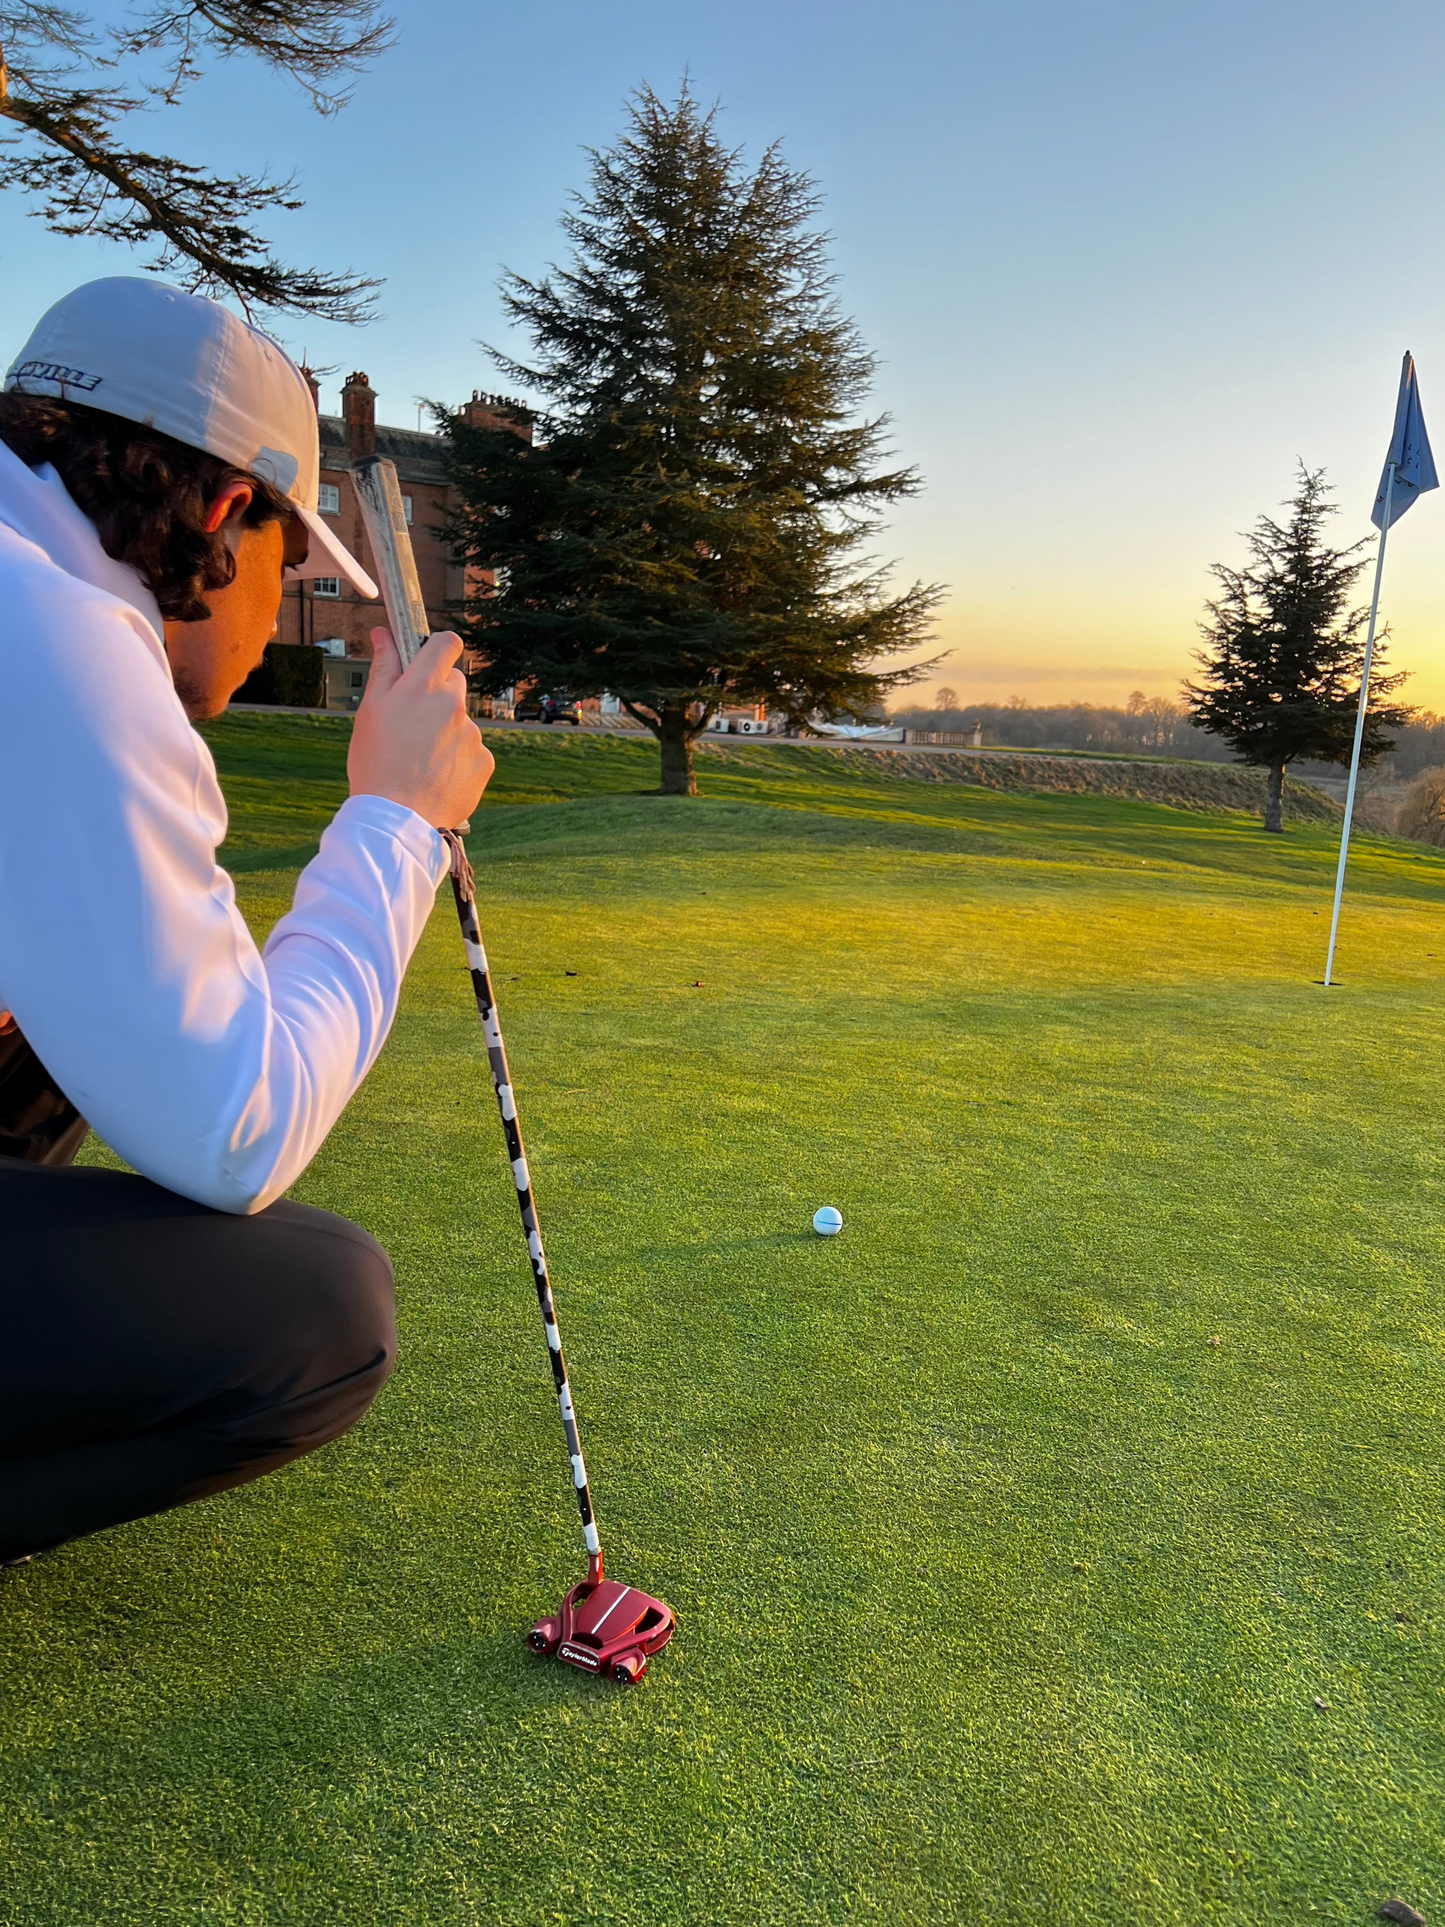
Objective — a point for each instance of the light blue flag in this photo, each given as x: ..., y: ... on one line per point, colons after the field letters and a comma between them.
x: 1409, y: 451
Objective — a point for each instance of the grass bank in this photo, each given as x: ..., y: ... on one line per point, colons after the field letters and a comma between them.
x: 1182, y: 785
x: 1006, y: 1592
x: 285, y: 776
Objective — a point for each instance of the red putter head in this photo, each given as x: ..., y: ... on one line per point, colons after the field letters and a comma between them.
x: 606, y: 1628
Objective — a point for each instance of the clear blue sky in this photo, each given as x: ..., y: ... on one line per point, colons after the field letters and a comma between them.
x: 1121, y: 264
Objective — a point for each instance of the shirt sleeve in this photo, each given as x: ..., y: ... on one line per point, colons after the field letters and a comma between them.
x: 211, y: 1068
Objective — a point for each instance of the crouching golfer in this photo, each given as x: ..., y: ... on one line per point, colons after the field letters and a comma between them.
x: 170, y: 1334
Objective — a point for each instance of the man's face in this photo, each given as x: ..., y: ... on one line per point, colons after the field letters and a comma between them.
x: 211, y: 659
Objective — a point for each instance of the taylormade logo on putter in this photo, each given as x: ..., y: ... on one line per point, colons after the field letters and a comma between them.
x: 601, y: 1626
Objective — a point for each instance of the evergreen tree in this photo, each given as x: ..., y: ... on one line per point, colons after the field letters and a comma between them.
x: 1281, y: 674
x: 684, y: 530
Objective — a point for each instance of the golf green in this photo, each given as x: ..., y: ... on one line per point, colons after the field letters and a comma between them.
x: 1063, y: 1542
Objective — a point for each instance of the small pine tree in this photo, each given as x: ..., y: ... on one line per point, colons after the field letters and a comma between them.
x: 683, y: 531
x: 1281, y: 673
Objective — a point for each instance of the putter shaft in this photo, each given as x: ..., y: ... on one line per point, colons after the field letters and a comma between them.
x: 464, y: 891
x: 382, y: 508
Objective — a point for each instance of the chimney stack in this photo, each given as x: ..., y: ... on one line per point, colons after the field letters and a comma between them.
x: 495, y: 412
x: 358, y: 411
x: 314, y: 385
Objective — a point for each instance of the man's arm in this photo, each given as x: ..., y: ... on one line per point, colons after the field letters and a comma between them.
x: 209, y: 1068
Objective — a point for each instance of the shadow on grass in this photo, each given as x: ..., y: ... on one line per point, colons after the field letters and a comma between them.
x: 294, y: 856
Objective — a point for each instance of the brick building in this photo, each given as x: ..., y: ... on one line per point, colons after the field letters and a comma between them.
x: 325, y: 609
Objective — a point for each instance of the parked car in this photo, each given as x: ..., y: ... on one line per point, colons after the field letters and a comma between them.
x: 548, y: 709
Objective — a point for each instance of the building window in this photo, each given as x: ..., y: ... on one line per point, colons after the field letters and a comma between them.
x: 329, y: 498
x: 406, y: 509
x: 327, y: 585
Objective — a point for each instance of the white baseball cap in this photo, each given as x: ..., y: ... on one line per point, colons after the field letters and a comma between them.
x: 190, y: 368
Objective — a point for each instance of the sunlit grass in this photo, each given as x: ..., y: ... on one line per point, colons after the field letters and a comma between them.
x: 1006, y: 1592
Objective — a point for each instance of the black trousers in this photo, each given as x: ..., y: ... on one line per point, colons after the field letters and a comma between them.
x: 153, y: 1351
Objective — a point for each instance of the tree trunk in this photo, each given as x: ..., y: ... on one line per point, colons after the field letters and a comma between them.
x: 675, y: 736
x: 1274, y: 799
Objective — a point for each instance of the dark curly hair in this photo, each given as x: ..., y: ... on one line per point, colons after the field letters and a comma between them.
x: 146, y: 493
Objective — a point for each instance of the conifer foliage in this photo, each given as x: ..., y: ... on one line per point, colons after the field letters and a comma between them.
x: 1281, y: 673
x: 684, y: 530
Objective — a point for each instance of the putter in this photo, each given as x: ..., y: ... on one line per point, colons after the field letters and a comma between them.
x: 601, y: 1627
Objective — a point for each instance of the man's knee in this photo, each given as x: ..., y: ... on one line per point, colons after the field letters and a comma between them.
x: 176, y: 1352
x: 330, y: 1339
x: 362, y: 1349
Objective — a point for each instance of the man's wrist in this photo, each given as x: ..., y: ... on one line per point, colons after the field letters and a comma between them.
x: 368, y: 811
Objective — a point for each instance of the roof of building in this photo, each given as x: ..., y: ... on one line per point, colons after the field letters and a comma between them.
x: 419, y: 457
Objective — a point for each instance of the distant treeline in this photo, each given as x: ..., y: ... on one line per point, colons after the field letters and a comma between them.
x: 1149, y: 726
x: 1419, y: 745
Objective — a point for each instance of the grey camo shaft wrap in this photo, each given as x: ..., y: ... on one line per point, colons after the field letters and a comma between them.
x: 464, y: 891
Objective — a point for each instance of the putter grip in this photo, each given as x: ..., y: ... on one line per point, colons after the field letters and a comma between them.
x: 379, y: 494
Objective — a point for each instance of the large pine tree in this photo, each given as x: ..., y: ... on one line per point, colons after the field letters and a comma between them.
x: 684, y: 529
x: 1281, y: 671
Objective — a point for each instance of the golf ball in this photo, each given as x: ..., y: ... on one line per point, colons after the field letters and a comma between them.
x: 828, y: 1221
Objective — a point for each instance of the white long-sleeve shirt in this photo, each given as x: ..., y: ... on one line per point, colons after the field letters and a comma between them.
x: 214, y: 1069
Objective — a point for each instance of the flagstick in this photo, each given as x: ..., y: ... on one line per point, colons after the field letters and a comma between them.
x: 1359, y: 726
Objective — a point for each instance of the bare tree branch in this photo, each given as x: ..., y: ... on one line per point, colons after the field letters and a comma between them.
x: 85, y: 181
x: 316, y: 42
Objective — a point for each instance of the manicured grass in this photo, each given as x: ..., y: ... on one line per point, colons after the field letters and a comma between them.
x: 1005, y: 1594
x: 285, y: 777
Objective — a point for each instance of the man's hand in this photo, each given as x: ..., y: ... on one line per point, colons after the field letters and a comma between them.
x: 413, y: 741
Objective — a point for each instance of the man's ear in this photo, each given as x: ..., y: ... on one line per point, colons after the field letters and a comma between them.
x: 229, y: 506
